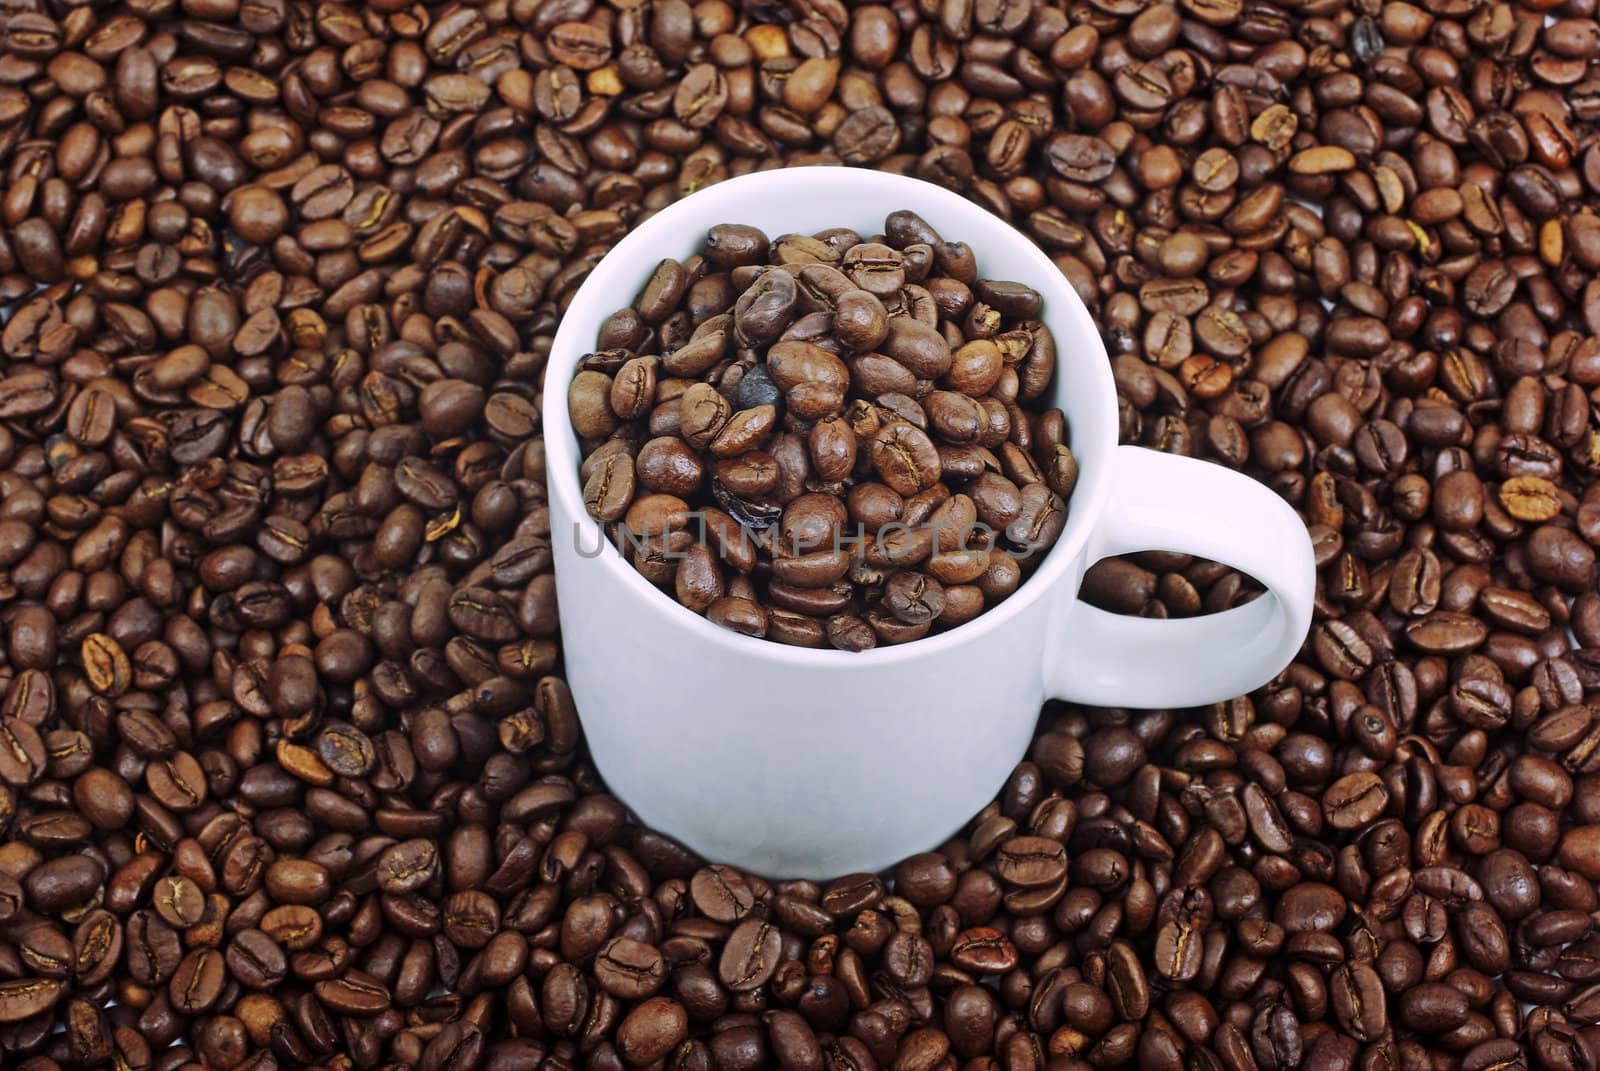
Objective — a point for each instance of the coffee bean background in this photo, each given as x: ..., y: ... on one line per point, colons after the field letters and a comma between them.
x: 288, y: 774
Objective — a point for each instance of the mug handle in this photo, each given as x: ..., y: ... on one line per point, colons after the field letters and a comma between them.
x: 1166, y: 502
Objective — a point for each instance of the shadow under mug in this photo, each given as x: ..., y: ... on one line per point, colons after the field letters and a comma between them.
x: 806, y: 763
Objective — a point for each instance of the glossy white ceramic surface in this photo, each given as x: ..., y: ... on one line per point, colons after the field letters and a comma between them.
x: 801, y: 763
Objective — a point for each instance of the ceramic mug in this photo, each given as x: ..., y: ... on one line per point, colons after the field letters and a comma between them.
x: 813, y: 763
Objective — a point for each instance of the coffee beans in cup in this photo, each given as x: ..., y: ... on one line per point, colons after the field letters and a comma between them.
x: 827, y: 439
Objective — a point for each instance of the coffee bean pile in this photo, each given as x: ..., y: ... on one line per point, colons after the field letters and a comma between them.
x: 855, y: 496
x: 288, y: 774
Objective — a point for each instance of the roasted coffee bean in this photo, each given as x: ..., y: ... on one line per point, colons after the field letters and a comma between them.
x: 629, y: 969
x: 407, y: 866
x: 355, y: 994
x: 256, y: 960
x: 197, y: 982
x: 60, y: 884
x: 25, y: 998
x: 722, y: 894
x: 179, y: 901
x: 750, y: 956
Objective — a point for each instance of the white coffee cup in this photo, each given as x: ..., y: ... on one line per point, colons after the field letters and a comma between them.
x: 814, y: 763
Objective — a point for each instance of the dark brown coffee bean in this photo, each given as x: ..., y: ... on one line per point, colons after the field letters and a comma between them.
x: 22, y: 752
x: 197, y: 982
x: 721, y: 894
x: 751, y: 955
x: 24, y: 998
x: 406, y: 867
x: 905, y: 458
x: 354, y: 994
x: 630, y: 970
x: 651, y: 1030
x: 256, y: 960
x: 1433, y: 1008
x: 60, y: 884
x: 179, y: 901
x: 1031, y: 862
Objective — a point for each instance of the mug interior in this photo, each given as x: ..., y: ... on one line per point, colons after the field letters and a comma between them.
x: 806, y: 200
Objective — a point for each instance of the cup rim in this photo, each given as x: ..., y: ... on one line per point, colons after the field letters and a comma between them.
x: 614, y: 281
